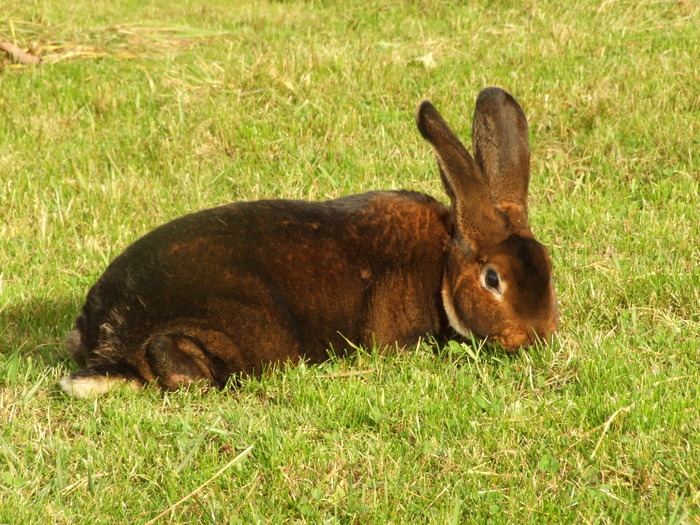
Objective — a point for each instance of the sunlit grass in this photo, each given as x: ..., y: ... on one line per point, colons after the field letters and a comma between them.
x: 141, y: 112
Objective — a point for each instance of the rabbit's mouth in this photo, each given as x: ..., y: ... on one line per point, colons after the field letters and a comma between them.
x: 472, y: 337
x: 468, y: 336
x: 514, y: 340
x: 510, y: 342
x: 508, y: 345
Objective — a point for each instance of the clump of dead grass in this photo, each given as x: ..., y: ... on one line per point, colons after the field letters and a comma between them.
x: 29, y: 43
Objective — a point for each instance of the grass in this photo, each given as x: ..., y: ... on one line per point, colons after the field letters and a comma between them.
x: 141, y: 112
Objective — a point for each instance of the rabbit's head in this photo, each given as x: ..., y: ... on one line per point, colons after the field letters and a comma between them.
x: 497, y: 282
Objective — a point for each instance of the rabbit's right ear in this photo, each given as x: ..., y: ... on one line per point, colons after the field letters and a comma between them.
x: 502, y: 151
x: 461, y: 176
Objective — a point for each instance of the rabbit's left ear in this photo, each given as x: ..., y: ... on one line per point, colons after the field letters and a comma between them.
x: 469, y: 193
x: 502, y: 152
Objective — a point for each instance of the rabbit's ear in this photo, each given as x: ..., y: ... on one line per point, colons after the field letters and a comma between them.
x: 460, y: 175
x: 502, y: 151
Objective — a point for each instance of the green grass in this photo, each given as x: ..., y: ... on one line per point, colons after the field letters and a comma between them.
x: 143, y: 111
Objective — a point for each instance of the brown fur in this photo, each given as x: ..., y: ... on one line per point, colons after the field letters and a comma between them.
x: 229, y: 290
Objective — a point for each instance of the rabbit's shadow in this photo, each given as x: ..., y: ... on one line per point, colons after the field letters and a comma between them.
x: 38, y: 326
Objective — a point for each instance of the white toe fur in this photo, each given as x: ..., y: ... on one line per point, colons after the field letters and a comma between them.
x: 93, y: 386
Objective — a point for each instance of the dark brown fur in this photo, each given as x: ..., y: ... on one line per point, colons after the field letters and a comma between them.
x: 229, y: 290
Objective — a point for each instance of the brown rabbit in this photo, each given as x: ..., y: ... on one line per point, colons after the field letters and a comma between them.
x: 228, y: 290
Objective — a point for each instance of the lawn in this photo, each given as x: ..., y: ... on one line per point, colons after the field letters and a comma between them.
x: 143, y: 111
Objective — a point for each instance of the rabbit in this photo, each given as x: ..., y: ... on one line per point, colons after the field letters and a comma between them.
x: 227, y: 291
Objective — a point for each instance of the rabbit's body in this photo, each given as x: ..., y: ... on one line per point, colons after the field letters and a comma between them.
x: 218, y: 288
x: 226, y: 291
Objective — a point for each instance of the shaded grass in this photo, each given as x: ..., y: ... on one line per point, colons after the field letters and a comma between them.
x: 141, y: 113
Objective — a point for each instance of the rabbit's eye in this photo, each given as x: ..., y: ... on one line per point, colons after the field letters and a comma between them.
x: 491, y: 279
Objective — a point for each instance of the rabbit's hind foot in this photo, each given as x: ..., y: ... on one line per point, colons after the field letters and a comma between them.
x: 178, y: 360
